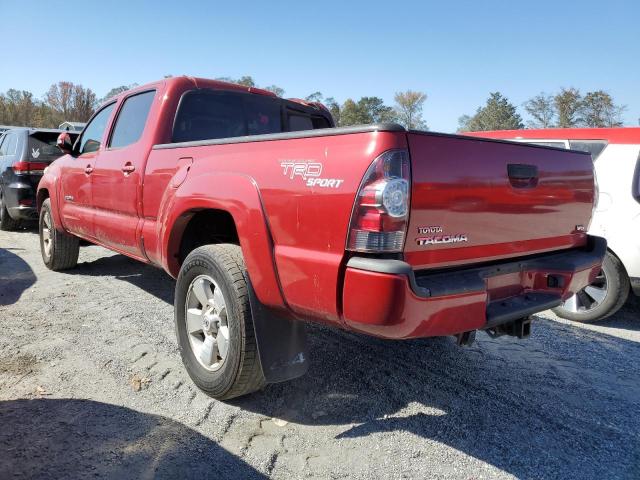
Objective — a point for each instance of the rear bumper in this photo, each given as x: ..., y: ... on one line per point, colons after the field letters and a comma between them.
x: 20, y: 200
x: 23, y: 213
x: 388, y: 299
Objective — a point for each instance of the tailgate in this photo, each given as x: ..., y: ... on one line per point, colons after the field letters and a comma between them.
x: 476, y: 200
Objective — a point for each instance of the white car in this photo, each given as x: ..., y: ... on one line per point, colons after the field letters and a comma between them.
x: 616, y: 156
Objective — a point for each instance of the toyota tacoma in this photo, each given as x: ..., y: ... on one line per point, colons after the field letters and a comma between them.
x: 268, y: 216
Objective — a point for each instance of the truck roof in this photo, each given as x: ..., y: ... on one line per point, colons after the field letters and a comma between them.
x: 199, y: 82
x: 613, y: 135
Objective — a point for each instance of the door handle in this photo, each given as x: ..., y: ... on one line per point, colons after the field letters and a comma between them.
x: 88, y: 169
x: 128, y: 168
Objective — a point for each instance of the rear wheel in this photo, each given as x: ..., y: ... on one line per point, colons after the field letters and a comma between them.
x: 6, y: 222
x: 602, y: 298
x: 214, y: 325
x: 59, y: 250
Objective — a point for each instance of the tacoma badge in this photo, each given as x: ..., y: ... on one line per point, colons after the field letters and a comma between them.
x: 441, y: 239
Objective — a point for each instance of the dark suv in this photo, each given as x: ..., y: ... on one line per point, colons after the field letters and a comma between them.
x: 24, y: 154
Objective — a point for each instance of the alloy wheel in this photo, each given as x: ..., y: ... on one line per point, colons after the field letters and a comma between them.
x: 46, y: 234
x: 206, y: 321
x: 589, y: 297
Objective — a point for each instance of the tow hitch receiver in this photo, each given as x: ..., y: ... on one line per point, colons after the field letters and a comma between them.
x: 520, y: 328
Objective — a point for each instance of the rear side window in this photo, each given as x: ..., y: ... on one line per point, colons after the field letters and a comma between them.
x: 300, y: 122
x: 42, y: 146
x: 132, y: 119
x: 2, y: 137
x: 320, y: 122
x: 93, y: 133
x: 209, y: 114
x: 594, y: 147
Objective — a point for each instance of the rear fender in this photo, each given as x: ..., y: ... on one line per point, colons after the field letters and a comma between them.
x: 238, y: 195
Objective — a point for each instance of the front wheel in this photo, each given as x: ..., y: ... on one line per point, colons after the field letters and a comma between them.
x: 214, y: 325
x: 602, y: 298
x: 59, y: 250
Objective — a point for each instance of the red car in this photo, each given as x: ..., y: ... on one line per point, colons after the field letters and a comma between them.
x: 268, y: 215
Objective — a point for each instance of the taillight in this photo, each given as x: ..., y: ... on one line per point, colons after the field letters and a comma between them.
x: 381, y: 210
x: 29, y: 167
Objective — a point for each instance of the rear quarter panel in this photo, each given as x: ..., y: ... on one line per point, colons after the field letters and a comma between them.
x: 307, y: 224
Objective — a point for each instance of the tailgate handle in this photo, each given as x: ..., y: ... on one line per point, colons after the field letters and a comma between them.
x: 520, y: 171
x: 522, y: 175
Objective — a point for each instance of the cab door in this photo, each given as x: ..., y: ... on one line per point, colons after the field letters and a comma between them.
x: 76, y: 171
x: 118, y: 175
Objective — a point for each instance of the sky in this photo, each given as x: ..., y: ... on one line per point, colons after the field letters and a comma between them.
x: 456, y: 51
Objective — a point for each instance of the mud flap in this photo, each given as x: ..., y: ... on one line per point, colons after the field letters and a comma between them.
x: 282, y: 343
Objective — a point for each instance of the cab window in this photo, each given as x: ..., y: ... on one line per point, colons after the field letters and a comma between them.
x: 94, y: 131
x: 209, y: 114
x: 132, y: 119
x: 300, y: 121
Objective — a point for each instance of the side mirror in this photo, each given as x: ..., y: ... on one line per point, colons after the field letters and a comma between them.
x: 64, y: 143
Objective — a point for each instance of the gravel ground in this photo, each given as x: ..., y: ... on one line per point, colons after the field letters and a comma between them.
x: 91, y: 385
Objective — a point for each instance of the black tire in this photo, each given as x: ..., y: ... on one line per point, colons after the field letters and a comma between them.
x: 6, y: 222
x: 64, y: 248
x: 240, y: 373
x: 618, y: 286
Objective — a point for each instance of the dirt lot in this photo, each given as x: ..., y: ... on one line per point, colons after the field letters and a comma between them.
x: 91, y: 385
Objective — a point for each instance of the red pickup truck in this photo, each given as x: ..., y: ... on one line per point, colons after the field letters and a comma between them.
x: 267, y: 215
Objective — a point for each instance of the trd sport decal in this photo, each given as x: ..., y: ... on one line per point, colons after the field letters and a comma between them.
x: 433, y: 236
x: 310, y: 173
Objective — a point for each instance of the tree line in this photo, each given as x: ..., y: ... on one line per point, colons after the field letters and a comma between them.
x: 567, y: 108
x: 66, y: 101
x: 406, y: 111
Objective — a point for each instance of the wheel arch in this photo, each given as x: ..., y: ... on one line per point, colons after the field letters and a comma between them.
x: 47, y: 189
x: 41, y: 196
x: 234, y: 214
x: 203, y: 227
